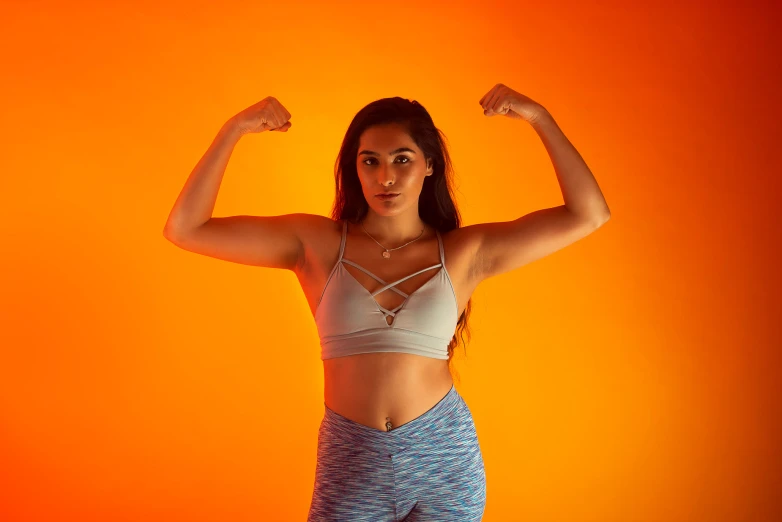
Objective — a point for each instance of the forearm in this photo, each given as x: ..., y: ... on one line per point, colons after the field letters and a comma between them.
x: 580, y: 190
x: 196, y: 202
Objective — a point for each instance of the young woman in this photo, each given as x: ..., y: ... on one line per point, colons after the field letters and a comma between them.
x: 388, y: 278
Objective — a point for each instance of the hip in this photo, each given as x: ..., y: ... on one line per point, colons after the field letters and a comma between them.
x: 447, y: 426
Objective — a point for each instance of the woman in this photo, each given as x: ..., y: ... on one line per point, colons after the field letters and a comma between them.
x: 388, y: 278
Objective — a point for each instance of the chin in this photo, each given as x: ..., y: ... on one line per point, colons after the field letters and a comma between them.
x: 380, y: 206
x: 387, y: 211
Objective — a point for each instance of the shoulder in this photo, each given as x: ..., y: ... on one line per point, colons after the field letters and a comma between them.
x: 314, y: 228
x: 314, y: 222
x: 318, y: 235
x: 463, y: 238
x: 462, y: 247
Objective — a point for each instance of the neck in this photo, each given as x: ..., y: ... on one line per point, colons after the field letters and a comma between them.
x: 392, y: 231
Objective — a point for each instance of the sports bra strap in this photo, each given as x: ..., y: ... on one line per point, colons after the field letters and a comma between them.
x: 442, y: 251
x: 348, y: 261
x: 390, y: 285
x: 344, y: 235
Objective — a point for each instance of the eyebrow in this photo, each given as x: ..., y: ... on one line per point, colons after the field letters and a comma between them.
x: 395, y: 151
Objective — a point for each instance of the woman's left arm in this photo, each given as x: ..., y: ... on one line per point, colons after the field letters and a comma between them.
x: 580, y: 191
x: 506, y: 245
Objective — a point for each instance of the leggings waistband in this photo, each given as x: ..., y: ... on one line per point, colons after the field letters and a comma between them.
x: 436, y: 418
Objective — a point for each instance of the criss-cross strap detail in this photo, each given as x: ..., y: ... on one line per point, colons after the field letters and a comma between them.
x: 350, y: 320
x: 391, y: 286
x: 387, y: 286
x: 351, y: 263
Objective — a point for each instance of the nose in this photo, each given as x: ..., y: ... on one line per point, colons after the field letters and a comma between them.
x: 385, y: 176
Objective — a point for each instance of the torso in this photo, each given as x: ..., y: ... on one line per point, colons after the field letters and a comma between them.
x: 367, y: 388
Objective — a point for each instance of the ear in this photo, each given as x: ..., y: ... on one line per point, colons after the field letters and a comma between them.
x: 429, y: 169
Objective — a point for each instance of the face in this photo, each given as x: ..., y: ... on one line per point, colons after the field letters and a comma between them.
x: 382, y: 167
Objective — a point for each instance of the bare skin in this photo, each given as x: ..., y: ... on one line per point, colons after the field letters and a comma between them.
x: 374, y: 388
x: 387, y: 389
x: 369, y: 388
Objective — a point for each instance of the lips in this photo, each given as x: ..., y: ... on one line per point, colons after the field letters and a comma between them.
x: 386, y: 196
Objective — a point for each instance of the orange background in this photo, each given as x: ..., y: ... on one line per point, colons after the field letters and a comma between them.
x: 633, y: 376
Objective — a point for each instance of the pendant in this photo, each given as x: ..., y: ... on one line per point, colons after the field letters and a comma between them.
x: 388, y: 423
x: 386, y: 254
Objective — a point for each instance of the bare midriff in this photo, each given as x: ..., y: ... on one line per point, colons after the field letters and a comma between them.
x: 375, y: 388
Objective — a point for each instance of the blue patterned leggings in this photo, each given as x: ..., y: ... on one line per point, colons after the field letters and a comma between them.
x: 428, y: 469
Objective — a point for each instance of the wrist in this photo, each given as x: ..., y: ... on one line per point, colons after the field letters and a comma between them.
x: 539, y: 115
x: 231, y: 130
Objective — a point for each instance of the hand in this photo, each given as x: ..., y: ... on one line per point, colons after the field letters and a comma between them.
x: 267, y: 114
x: 504, y: 100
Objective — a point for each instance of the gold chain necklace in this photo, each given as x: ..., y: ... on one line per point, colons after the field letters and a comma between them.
x: 387, y: 253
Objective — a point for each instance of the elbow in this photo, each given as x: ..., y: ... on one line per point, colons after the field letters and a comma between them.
x: 598, y: 219
x: 169, y: 234
x: 595, y: 215
x: 603, y: 214
x: 595, y: 220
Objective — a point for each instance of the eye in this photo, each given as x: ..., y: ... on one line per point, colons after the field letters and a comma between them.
x: 407, y: 160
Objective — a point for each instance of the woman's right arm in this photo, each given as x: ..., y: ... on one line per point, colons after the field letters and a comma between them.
x: 268, y: 241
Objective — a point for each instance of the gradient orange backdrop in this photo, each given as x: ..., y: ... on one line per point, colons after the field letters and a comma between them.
x: 633, y: 376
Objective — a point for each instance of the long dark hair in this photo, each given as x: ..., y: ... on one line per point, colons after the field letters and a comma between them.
x: 436, y: 205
